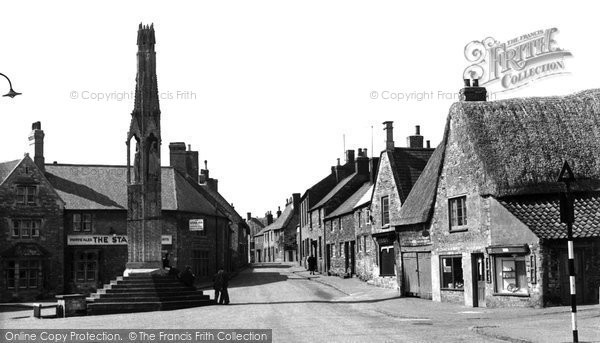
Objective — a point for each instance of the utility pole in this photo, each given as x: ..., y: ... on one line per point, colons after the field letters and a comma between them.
x: 567, y: 216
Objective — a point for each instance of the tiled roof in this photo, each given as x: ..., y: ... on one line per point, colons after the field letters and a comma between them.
x: 101, y: 187
x: 407, y: 165
x: 542, y: 215
x: 349, y: 205
x: 6, y: 168
x: 418, y: 206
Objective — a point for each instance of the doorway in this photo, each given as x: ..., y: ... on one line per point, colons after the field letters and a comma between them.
x: 478, y: 277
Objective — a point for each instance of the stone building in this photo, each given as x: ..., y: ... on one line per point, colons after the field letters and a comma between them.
x: 74, y: 227
x: 263, y: 242
x: 279, y: 238
x: 496, y: 234
x: 399, y: 169
x: 346, y: 186
x: 344, y: 225
x: 255, y: 225
x: 31, y: 229
x: 348, y: 225
x: 310, y: 238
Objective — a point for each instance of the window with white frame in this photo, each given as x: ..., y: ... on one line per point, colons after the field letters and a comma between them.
x: 385, y: 210
x: 511, y: 275
x: 457, y: 212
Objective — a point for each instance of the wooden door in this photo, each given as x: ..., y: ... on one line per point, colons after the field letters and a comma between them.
x: 424, y: 267
x: 410, y: 268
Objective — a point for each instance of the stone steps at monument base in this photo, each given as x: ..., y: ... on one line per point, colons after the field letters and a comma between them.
x: 144, y: 292
x: 129, y: 307
x: 148, y: 298
x: 152, y: 293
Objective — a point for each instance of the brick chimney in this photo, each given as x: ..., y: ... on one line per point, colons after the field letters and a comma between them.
x: 473, y: 92
x: 389, y: 140
x: 269, y: 217
x: 416, y: 140
x: 362, y: 162
x: 177, y: 156
x: 205, y: 178
x: 36, y: 138
x: 185, y: 161
x: 278, y: 211
x: 296, y: 202
x: 350, y: 157
x: 248, y: 216
x: 192, y: 163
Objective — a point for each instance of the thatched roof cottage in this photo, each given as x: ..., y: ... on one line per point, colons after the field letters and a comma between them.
x: 495, y: 226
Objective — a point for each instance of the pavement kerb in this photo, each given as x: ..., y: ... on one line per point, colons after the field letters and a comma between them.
x: 480, y: 330
x: 319, y: 281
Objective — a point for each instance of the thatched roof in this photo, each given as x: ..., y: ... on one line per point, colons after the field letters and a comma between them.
x: 523, y: 143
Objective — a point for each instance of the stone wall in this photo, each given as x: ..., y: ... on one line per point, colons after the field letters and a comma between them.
x: 48, y: 208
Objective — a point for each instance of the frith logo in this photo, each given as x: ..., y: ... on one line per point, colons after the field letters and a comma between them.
x: 517, y: 62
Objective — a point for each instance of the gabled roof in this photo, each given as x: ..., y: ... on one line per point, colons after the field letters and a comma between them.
x: 6, y: 168
x: 226, y: 206
x: 353, y: 201
x: 420, y: 202
x: 103, y: 187
x: 522, y: 143
x: 284, y: 220
x: 542, y: 214
x: 407, y: 164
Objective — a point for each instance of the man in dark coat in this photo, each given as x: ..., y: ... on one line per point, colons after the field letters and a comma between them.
x: 221, y: 282
x: 187, y: 277
x: 312, y: 264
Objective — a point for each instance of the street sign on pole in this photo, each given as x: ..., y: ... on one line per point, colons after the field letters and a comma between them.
x: 567, y: 216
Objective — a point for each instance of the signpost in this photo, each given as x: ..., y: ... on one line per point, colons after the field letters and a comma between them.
x: 567, y: 216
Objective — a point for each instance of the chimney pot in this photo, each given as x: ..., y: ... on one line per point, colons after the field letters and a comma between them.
x: 475, y: 93
x: 475, y: 82
x: 428, y: 144
x: 249, y: 215
x: 467, y: 83
x: 418, y: 130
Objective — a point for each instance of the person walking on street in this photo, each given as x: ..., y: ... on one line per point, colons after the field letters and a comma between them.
x: 221, y: 282
x: 312, y: 264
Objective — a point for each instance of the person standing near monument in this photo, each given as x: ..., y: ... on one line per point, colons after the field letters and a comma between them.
x: 221, y: 282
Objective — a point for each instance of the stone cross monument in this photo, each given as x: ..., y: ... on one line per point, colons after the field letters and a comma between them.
x: 143, y: 178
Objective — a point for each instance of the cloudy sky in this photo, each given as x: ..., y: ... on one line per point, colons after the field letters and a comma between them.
x: 264, y: 90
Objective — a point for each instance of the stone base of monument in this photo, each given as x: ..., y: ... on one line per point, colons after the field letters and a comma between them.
x: 140, y: 292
